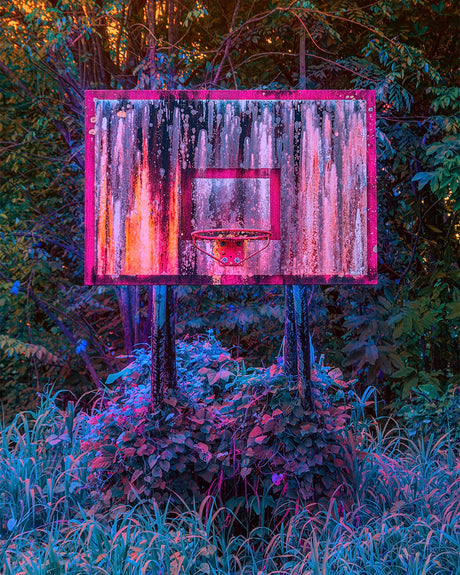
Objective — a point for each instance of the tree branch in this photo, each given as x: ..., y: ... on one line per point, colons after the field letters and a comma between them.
x: 228, y: 43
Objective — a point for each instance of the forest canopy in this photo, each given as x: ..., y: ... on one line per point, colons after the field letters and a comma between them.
x: 400, y: 336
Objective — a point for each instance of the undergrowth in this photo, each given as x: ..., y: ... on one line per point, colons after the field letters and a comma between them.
x: 235, y: 433
x: 396, y: 512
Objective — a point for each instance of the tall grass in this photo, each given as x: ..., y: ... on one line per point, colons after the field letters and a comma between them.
x: 399, y: 515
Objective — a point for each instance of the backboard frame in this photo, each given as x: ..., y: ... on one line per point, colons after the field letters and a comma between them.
x: 91, y: 97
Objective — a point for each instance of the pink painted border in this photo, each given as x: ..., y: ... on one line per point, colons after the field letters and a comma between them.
x: 367, y: 95
x: 231, y: 280
x: 372, y: 259
x: 90, y: 223
x: 233, y: 94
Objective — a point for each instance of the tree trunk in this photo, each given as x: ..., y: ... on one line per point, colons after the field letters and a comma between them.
x: 297, y: 356
x: 174, y: 16
x: 151, y: 70
x: 162, y: 299
x: 302, y: 63
x: 128, y: 302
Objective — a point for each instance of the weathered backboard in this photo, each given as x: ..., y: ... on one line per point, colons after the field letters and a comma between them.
x: 161, y: 166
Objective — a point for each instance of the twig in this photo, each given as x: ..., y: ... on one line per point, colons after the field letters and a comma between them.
x: 308, y: 32
x: 228, y: 43
x: 235, y: 83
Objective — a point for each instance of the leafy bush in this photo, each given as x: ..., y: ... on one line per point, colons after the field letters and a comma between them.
x: 433, y: 413
x: 239, y: 434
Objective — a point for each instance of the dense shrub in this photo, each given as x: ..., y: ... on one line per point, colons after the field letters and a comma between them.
x: 239, y: 434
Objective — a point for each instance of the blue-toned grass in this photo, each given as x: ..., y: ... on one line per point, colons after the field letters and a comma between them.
x: 400, y: 515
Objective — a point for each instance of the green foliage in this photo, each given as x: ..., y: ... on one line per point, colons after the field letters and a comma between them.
x: 432, y: 411
x: 249, y: 321
x: 397, y: 337
x: 444, y: 180
x: 15, y: 347
x: 234, y: 432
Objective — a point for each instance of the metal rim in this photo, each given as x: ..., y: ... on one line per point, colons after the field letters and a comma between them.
x: 225, y: 234
x: 251, y: 235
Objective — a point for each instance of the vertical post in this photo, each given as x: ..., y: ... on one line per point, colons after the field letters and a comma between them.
x: 170, y: 343
x: 290, y: 341
x: 163, y: 359
x: 302, y: 330
x: 162, y: 299
x: 124, y: 303
x: 297, y: 360
x: 297, y: 350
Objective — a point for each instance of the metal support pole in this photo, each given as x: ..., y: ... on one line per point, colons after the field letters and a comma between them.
x: 297, y: 354
x: 163, y: 340
x: 290, y: 340
x: 301, y: 307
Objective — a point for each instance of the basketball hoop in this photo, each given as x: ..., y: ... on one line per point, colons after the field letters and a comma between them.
x: 230, y: 244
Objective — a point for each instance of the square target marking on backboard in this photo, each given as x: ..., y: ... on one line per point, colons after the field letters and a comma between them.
x: 163, y: 166
x: 226, y: 198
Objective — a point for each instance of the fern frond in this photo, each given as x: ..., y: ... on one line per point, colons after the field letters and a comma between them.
x: 12, y: 346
